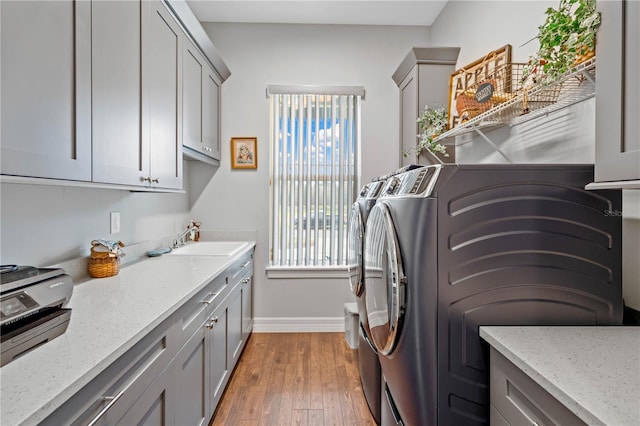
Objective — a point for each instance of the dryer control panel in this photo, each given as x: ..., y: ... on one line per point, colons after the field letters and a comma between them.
x: 417, y: 182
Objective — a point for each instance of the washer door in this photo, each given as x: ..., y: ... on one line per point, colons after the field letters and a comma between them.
x: 385, y: 279
x: 354, y: 248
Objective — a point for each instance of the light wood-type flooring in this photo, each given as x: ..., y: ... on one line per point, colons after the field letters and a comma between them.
x: 295, y: 379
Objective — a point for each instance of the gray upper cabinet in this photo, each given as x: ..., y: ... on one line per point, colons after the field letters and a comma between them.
x: 46, y: 89
x: 162, y: 85
x: 211, y: 113
x: 136, y: 94
x: 618, y: 95
x: 423, y: 79
x: 120, y: 155
x: 201, y: 103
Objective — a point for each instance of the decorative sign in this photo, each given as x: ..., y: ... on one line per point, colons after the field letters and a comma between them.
x: 484, y: 92
x: 471, y: 75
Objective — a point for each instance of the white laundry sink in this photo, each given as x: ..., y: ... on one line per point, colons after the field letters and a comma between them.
x: 209, y: 248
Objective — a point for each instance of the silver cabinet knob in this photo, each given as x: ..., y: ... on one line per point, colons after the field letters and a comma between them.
x: 146, y: 179
x: 155, y: 180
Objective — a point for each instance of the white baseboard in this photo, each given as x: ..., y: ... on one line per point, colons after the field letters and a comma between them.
x: 298, y: 325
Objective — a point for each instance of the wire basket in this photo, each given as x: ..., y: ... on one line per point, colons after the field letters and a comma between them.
x: 506, y: 85
x: 104, y: 262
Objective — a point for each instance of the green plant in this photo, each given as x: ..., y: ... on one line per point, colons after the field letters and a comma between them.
x: 567, y: 33
x: 432, y: 123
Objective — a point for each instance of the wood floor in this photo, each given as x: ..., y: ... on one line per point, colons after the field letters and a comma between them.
x: 295, y: 379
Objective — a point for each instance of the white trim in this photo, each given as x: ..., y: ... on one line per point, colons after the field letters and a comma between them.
x: 298, y: 325
x: 294, y: 272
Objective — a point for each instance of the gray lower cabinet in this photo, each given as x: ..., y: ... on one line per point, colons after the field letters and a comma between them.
x: 516, y: 399
x: 156, y: 404
x: 46, y: 89
x: 192, y: 367
x: 423, y: 78
x: 110, y: 396
x: 201, y: 101
x: 178, y: 372
x: 219, y: 363
x: 618, y: 94
x: 247, y: 306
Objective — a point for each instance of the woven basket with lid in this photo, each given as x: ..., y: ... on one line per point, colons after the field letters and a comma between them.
x: 103, y: 261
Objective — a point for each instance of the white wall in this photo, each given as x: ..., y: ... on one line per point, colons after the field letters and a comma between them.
x: 45, y: 225
x: 564, y: 137
x: 258, y: 55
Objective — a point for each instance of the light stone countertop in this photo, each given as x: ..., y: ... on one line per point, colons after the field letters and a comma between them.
x: 108, y: 317
x: 593, y: 371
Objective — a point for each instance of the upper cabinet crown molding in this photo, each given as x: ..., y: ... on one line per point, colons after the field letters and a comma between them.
x: 194, y: 28
x: 425, y: 55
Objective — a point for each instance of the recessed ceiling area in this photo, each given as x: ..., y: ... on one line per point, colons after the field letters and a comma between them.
x: 359, y: 12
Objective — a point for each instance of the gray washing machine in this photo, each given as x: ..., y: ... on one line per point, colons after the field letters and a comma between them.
x: 368, y: 363
x: 450, y: 248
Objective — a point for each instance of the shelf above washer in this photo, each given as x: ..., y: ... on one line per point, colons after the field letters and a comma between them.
x: 575, y: 86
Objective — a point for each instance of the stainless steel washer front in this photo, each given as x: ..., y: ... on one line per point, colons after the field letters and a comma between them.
x: 385, y: 296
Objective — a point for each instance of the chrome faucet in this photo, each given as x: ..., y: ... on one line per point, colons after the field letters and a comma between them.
x: 191, y: 233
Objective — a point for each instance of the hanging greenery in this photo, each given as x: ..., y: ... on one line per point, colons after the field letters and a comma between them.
x: 432, y: 122
x: 567, y: 37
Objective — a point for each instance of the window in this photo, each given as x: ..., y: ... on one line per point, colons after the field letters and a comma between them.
x: 315, y: 138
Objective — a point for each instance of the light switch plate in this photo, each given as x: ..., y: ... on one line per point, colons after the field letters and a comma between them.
x: 115, y: 222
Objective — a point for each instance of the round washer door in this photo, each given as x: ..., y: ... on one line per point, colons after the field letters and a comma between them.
x: 385, y: 279
x: 354, y: 249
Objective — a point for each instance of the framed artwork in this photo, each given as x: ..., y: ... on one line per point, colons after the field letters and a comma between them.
x: 244, y: 153
x: 471, y: 75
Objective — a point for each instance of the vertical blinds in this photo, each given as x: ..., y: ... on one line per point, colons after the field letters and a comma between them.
x: 315, y: 135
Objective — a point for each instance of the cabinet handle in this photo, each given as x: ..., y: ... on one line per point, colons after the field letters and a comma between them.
x: 210, y: 299
x: 212, y: 322
x: 146, y: 179
x: 246, y: 281
x: 112, y: 400
x: 155, y: 180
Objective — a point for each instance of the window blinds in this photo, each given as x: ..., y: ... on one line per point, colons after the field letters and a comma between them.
x: 315, y: 137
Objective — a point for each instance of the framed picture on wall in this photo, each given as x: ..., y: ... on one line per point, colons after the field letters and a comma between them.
x: 244, y: 153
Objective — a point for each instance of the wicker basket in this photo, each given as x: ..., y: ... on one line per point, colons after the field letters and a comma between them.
x: 104, y: 262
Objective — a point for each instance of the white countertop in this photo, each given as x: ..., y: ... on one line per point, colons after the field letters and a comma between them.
x: 593, y: 371
x: 108, y: 317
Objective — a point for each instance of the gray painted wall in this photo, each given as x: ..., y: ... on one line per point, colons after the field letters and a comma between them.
x: 259, y: 55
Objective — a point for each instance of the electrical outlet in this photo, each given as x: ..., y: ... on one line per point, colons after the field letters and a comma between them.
x: 115, y: 222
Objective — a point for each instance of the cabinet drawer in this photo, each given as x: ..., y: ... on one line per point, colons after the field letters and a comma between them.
x: 196, y: 311
x: 239, y: 269
x: 518, y: 400
x: 109, y: 396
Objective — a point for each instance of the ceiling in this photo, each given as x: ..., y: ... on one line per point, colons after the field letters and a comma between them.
x: 356, y: 12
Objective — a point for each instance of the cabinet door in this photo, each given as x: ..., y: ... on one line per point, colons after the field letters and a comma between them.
x: 618, y: 92
x: 218, y: 361
x: 234, y: 325
x: 247, y: 307
x: 120, y: 155
x: 192, y: 372
x: 193, y: 70
x: 211, y: 113
x: 156, y: 404
x: 408, y: 110
x: 162, y: 95
x: 46, y: 89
